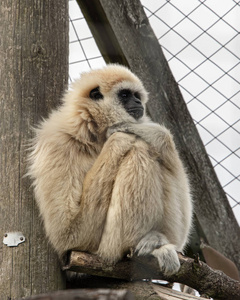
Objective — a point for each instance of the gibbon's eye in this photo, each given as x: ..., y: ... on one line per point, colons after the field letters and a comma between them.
x: 124, y: 94
x: 95, y: 94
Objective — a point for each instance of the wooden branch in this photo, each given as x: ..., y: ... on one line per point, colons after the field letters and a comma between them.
x: 194, y: 273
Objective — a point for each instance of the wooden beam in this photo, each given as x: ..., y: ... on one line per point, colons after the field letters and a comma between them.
x: 139, y: 49
x: 170, y: 294
x: 102, y: 30
x: 84, y: 294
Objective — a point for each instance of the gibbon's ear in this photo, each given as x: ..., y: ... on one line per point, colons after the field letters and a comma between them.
x: 218, y: 261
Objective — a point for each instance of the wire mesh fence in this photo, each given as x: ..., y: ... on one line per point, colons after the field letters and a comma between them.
x: 201, y: 42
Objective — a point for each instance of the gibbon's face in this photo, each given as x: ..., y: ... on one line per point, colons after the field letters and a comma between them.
x: 112, y: 93
x: 129, y: 99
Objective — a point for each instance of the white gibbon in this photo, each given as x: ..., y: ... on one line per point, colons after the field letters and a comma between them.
x: 106, y: 178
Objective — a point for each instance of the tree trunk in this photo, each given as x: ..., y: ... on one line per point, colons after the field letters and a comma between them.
x: 34, y: 73
x: 132, y: 34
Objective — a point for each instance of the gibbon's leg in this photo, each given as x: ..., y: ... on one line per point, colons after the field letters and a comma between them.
x: 136, y: 211
x: 162, y: 147
x: 97, y: 190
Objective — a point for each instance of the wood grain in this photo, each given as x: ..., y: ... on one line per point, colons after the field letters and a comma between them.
x: 34, y: 73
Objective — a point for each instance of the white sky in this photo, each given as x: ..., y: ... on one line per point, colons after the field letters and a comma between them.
x: 204, y: 55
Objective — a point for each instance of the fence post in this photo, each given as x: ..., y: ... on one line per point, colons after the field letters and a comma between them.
x: 34, y: 72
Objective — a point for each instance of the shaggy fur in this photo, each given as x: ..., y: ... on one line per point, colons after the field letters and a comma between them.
x: 107, y: 183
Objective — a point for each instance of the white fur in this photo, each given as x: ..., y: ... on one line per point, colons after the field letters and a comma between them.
x: 105, y: 182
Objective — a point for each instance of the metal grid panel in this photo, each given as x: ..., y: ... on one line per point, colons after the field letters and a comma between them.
x: 83, y: 51
x: 200, y: 40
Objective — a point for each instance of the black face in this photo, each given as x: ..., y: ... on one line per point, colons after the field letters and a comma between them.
x: 131, y: 102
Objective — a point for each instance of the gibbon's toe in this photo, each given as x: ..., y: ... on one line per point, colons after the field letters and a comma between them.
x: 168, y: 259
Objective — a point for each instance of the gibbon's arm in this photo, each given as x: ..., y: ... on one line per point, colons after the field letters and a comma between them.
x: 157, y: 136
x: 74, y: 205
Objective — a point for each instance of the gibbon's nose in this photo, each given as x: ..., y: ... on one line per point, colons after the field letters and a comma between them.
x: 136, y: 100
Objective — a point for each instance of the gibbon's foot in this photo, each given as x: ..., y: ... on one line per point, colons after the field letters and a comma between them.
x: 151, y: 241
x: 167, y: 258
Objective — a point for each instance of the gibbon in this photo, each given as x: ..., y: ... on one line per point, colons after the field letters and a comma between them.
x: 107, y: 179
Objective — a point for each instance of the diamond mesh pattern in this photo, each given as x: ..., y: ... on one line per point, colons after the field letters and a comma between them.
x: 201, y: 41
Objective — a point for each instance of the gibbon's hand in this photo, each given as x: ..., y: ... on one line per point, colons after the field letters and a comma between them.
x: 119, y: 127
x: 155, y: 135
x: 138, y: 129
x: 146, y: 131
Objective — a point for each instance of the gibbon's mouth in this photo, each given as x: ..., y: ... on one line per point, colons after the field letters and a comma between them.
x: 136, y: 112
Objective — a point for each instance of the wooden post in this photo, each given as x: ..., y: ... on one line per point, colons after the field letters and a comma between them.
x: 130, y: 31
x: 34, y: 73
